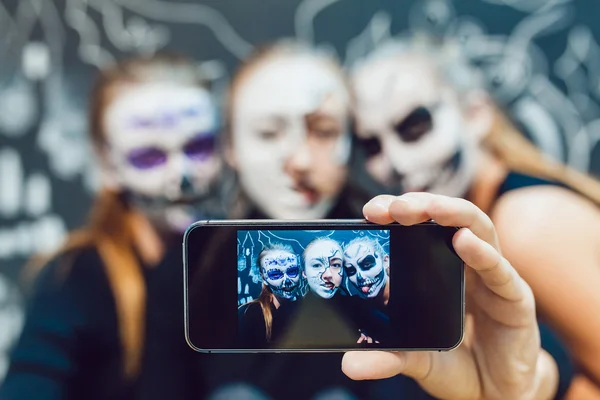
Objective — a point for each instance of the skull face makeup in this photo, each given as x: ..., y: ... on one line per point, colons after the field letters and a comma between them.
x: 366, y: 266
x: 414, y: 127
x: 290, y: 137
x: 323, y: 259
x: 280, y: 270
x: 161, y: 142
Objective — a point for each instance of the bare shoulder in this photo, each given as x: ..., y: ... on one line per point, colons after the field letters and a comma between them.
x: 546, y: 214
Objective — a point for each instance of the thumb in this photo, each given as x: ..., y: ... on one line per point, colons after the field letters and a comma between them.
x: 444, y: 375
x: 367, y: 365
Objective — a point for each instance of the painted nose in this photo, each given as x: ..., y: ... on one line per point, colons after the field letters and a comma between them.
x: 299, y: 160
x: 359, y: 277
x: 327, y: 275
x: 186, y: 184
x: 175, y: 177
x: 397, y: 176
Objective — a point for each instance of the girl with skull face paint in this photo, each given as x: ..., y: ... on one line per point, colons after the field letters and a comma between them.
x: 288, y: 139
x: 280, y: 270
x: 107, y: 310
x: 263, y: 320
x: 427, y: 124
x: 288, y: 135
x: 367, y: 267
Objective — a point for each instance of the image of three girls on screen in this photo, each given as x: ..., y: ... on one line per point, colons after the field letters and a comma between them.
x: 352, y: 280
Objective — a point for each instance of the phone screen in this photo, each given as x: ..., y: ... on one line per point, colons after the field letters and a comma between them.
x: 258, y: 286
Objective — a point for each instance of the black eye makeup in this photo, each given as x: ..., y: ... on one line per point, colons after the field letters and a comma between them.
x: 367, y: 263
x: 410, y: 129
x: 371, y: 145
x: 415, y: 125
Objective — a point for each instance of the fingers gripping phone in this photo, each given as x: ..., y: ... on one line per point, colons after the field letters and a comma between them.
x: 323, y: 285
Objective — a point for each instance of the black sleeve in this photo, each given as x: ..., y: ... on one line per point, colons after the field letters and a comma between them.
x: 251, y: 333
x: 566, y: 369
x: 46, y: 356
x: 365, y: 316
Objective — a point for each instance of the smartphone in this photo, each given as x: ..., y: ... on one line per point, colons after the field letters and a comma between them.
x: 321, y: 286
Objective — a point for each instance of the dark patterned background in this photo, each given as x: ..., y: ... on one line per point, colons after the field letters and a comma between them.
x: 542, y: 59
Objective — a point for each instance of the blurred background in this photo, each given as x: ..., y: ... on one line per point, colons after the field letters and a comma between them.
x: 541, y: 57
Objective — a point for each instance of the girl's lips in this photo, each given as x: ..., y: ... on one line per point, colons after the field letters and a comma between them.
x: 310, y: 194
x: 366, y: 288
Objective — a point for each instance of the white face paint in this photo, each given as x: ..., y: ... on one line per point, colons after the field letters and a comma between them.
x: 281, y: 272
x: 413, y: 127
x: 366, y: 267
x: 323, y: 267
x: 291, y: 159
x: 162, y: 144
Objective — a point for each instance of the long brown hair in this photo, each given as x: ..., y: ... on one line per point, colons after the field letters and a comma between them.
x: 519, y: 154
x: 265, y: 299
x: 110, y: 225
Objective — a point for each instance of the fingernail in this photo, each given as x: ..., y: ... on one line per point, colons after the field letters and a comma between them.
x: 364, y: 210
x: 383, y: 203
x: 411, y: 201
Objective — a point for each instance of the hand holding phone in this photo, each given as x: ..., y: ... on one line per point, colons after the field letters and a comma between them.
x: 500, y: 356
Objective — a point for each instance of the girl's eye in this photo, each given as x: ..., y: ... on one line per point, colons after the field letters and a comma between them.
x: 146, y: 158
x: 268, y: 135
x: 200, y: 148
x: 275, y: 274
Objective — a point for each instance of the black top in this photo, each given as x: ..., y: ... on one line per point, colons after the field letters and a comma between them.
x: 70, y: 348
x: 515, y: 180
x: 311, y: 321
x: 369, y: 315
x: 252, y: 332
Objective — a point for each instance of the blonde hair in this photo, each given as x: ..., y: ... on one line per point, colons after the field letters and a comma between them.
x: 110, y: 225
x: 504, y: 140
x: 520, y: 155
